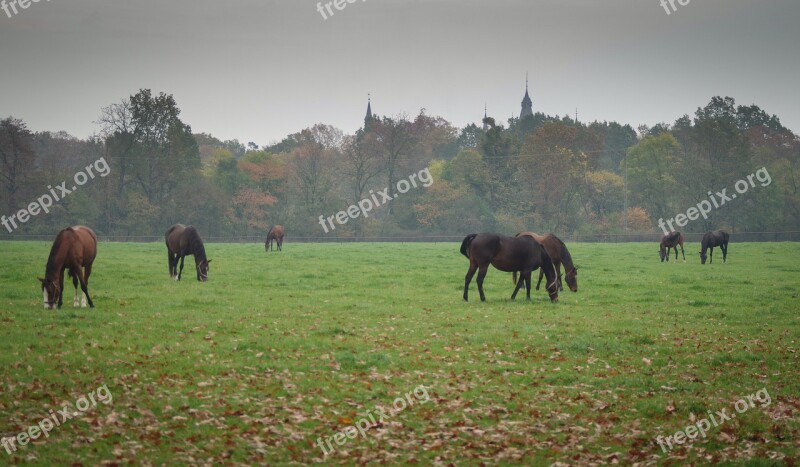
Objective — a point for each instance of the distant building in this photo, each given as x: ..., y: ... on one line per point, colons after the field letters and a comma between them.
x: 369, y: 118
x: 527, y: 104
x: 526, y: 111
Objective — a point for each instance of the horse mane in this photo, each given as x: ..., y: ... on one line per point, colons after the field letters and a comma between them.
x: 566, y: 258
x: 51, y: 259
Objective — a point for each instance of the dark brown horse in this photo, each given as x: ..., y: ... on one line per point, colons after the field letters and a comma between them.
x: 74, y: 249
x: 558, y: 252
x: 507, y: 254
x: 710, y: 240
x: 275, y: 233
x: 671, y: 240
x: 181, y: 241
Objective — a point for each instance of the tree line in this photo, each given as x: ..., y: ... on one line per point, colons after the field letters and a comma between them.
x: 545, y: 173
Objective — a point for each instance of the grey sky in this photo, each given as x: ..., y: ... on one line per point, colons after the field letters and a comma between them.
x: 259, y: 70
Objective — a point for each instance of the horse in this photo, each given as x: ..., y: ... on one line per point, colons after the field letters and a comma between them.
x: 184, y: 240
x: 710, y: 240
x: 558, y: 252
x: 276, y: 233
x: 671, y: 240
x: 74, y: 249
x: 507, y: 254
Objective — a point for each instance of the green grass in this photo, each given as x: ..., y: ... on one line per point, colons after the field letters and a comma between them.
x: 279, y: 349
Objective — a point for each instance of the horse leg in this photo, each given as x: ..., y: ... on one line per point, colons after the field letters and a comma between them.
x: 84, y: 286
x: 724, y: 248
x: 61, y: 290
x: 528, y: 285
x: 468, y: 279
x: 682, y: 253
x: 519, y: 284
x: 180, y: 272
x: 711, y: 255
x: 481, y: 274
x: 172, y: 263
x: 76, y: 302
x: 280, y: 244
x: 541, y: 274
x: 87, y: 271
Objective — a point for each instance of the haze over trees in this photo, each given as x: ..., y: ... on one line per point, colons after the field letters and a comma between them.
x: 543, y: 172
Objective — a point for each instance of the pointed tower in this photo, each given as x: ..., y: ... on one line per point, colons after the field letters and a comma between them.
x: 485, y: 124
x: 369, y: 118
x: 527, y: 104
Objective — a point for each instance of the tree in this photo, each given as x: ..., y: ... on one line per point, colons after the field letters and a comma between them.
x: 16, y: 160
x: 552, y: 176
x: 397, y: 140
x: 361, y: 163
x: 616, y: 140
x: 470, y: 136
x: 152, y: 150
x: 650, y: 174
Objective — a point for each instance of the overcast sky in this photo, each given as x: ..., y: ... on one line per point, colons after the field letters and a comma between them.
x: 258, y: 70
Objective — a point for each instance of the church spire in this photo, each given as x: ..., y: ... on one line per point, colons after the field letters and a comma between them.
x: 368, y: 119
x: 527, y: 104
x: 485, y: 116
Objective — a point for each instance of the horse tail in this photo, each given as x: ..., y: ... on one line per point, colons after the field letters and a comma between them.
x: 514, y: 277
x: 466, y: 243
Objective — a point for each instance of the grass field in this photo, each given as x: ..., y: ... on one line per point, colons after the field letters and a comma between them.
x: 279, y: 350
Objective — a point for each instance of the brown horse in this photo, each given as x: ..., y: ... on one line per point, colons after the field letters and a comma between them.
x: 671, y: 240
x: 558, y: 252
x: 181, y: 241
x: 74, y: 249
x: 710, y: 240
x: 275, y: 233
x: 507, y: 254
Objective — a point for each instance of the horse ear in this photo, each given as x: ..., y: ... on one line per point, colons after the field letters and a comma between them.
x: 208, y: 261
x: 41, y: 280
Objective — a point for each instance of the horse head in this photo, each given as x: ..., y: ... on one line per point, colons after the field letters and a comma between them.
x: 552, y: 291
x: 50, y: 293
x: 572, y: 279
x: 702, y: 257
x: 202, y: 270
x: 662, y: 253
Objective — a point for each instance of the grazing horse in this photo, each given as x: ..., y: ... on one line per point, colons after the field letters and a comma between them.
x: 74, y: 249
x: 710, y: 240
x: 507, y: 254
x: 558, y: 252
x: 184, y: 240
x: 275, y: 233
x: 671, y: 240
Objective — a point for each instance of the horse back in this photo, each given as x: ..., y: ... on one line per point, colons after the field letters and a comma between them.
x: 86, y: 243
x: 276, y: 232
x: 551, y: 244
x: 172, y: 237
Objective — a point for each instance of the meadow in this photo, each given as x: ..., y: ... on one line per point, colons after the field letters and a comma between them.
x: 280, y: 350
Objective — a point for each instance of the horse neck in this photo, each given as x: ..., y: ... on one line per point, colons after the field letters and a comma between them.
x: 56, y: 260
x: 199, y: 251
x: 566, y: 258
